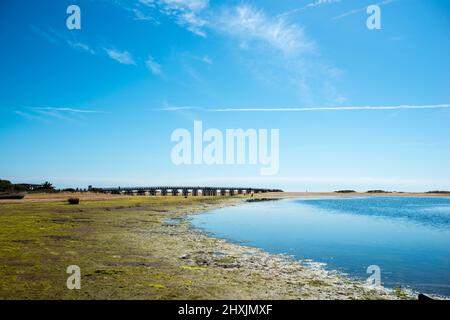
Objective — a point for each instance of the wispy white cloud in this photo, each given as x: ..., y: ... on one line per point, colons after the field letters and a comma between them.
x: 149, y: 3
x: 250, y: 23
x: 142, y: 16
x: 186, y: 13
x: 55, y: 114
x: 320, y: 3
x: 349, y: 108
x: 45, y: 114
x: 71, y: 110
x: 153, y: 66
x: 139, y: 9
x: 47, y: 35
x: 195, y: 57
x: 358, y: 10
x: 123, y: 57
x: 207, y: 60
x: 193, y: 23
x: 193, y: 5
x: 29, y: 116
x: 314, y: 4
x: 280, y: 54
x: 276, y: 50
x: 80, y: 46
x: 59, y: 38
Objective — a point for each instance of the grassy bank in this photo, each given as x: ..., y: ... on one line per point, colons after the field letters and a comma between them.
x: 126, y: 250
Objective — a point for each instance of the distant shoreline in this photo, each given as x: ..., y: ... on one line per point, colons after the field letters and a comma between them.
x: 354, y: 194
x: 92, y: 196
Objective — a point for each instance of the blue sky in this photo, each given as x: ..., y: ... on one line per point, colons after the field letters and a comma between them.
x: 97, y: 106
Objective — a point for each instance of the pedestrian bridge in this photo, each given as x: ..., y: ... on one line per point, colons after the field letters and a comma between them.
x: 185, y: 191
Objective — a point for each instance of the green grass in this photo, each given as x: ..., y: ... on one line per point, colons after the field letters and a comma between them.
x: 118, y: 244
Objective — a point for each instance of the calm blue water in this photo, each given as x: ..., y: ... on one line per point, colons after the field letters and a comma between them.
x: 407, y: 237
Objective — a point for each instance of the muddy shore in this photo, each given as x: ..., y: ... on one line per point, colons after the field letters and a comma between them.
x: 127, y: 249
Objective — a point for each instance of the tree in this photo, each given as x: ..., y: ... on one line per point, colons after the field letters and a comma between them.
x: 5, y: 185
x: 47, y: 186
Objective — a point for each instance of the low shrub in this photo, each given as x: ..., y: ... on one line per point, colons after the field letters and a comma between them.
x: 73, y: 201
x: 439, y: 192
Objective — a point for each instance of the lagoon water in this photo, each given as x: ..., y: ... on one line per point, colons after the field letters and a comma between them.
x: 407, y: 237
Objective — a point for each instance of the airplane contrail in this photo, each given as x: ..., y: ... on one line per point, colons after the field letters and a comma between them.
x: 348, y: 108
